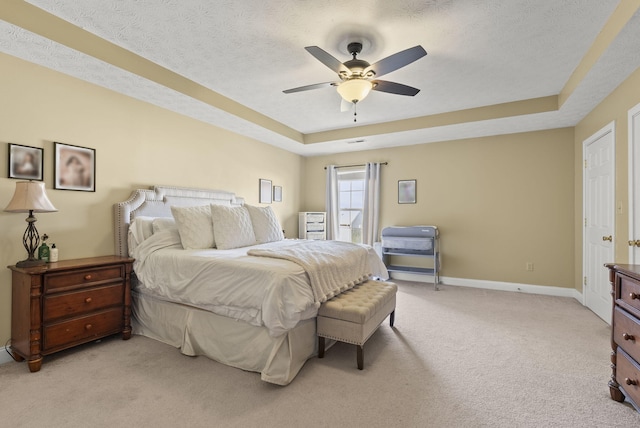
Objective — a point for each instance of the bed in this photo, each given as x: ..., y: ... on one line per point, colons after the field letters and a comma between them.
x: 236, y: 292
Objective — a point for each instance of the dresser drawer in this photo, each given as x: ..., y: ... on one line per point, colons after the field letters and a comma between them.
x: 626, y: 333
x: 628, y: 376
x: 315, y: 218
x: 315, y: 235
x: 630, y: 291
x: 80, y: 302
x: 80, y: 278
x: 315, y: 227
x: 83, y: 329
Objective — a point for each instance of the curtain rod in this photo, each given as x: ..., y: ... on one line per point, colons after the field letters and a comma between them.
x: 360, y: 164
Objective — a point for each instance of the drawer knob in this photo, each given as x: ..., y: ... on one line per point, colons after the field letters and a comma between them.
x: 89, y: 299
x: 87, y: 277
x: 634, y: 296
x: 630, y: 381
x: 627, y: 336
x: 88, y: 327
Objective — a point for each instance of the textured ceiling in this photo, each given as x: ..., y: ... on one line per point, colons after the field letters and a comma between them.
x: 241, y: 55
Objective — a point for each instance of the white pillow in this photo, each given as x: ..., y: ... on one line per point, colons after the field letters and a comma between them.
x: 232, y: 227
x: 265, y: 224
x: 163, y: 223
x: 194, y: 226
x: 139, y: 230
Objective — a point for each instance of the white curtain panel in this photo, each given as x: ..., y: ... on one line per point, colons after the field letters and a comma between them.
x: 332, y: 220
x: 371, y: 212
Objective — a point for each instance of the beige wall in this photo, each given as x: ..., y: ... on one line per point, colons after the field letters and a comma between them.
x: 499, y: 202
x: 137, y: 145
x: 614, y: 108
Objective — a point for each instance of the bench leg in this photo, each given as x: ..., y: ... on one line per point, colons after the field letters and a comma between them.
x: 392, y: 317
x: 360, y: 357
x: 320, y: 347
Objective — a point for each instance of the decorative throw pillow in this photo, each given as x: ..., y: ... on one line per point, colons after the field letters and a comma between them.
x: 194, y: 226
x: 232, y: 227
x: 265, y: 224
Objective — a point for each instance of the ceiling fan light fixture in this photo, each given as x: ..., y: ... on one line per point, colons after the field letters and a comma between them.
x: 354, y: 90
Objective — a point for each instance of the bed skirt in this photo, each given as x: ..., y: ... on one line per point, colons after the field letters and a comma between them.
x: 228, y: 341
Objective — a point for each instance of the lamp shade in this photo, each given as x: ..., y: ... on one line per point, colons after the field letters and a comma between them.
x: 354, y: 90
x: 30, y: 196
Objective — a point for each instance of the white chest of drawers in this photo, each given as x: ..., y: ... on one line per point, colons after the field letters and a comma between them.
x: 312, y: 225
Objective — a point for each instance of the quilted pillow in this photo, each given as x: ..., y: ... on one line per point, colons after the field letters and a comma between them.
x: 194, y: 226
x: 265, y: 224
x: 232, y: 227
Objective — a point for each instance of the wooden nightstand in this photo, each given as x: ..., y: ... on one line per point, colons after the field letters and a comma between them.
x: 67, y: 303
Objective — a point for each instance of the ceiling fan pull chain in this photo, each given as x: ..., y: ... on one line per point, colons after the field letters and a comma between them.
x: 355, y: 112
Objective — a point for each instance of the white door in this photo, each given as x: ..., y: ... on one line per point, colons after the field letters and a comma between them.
x: 634, y: 185
x: 599, y: 212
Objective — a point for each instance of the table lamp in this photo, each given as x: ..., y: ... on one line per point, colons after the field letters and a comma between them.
x: 30, y: 197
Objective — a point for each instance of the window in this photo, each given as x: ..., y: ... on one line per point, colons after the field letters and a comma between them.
x: 351, y: 204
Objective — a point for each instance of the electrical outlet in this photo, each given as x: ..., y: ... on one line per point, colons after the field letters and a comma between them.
x: 529, y: 267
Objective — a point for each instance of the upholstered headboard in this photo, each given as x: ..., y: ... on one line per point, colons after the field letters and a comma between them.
x: 157, y: 202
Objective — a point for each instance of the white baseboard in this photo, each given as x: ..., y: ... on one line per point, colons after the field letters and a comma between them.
x: 4, y: 357
x: 494, y: 285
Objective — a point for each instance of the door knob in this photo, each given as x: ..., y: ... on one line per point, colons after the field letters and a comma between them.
x: 607, y: 238
x: 635, y: 243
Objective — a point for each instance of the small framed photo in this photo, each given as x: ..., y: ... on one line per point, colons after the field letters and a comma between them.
x: 75, y: 168
x: 407, y: 191
x: 25, y: 162
x: 265, y: 191
x: 277, y: 193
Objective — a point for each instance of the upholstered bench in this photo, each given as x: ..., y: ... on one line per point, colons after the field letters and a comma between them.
x: 354, y: 315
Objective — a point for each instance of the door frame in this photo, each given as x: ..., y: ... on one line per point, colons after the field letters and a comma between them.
x: 608, y: 128
x: 632, y: 134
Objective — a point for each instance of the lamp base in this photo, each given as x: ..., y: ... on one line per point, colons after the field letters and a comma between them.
x: 30, y: 263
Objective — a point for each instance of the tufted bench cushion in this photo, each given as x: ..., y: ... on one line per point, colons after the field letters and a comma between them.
x: 354, y: 315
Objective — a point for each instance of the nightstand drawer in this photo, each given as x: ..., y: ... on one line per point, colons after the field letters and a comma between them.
x: 83, y: 329
x: 81, y: 278
x: 628, y: 375
x: 76, y: 303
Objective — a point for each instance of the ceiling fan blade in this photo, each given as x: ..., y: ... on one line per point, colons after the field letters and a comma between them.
x: 345, y: 105
x: 328, y: 60
x: 396, y: 61
x: 309, y: 87
x: 394, y: 88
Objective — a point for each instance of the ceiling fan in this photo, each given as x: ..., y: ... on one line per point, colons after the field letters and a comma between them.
x: 358, y: 77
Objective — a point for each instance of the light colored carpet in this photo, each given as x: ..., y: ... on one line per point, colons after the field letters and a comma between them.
x: 458, y: 357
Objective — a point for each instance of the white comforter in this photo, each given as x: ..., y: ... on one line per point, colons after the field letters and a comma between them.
x: 332, y: 266
x: 261, y: 291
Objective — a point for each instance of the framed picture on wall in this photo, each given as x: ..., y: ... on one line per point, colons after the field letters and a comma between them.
x: 75, y: 168
x: 277, y: 193
x: 265, y: 191
x: 25, y: 162
x: 407, y: 191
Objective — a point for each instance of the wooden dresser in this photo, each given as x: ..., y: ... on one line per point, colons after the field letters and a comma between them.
x: 63, y: 304
x: 625, y: 336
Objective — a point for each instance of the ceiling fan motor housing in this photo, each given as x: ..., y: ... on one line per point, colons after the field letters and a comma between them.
x: 356, y: 66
